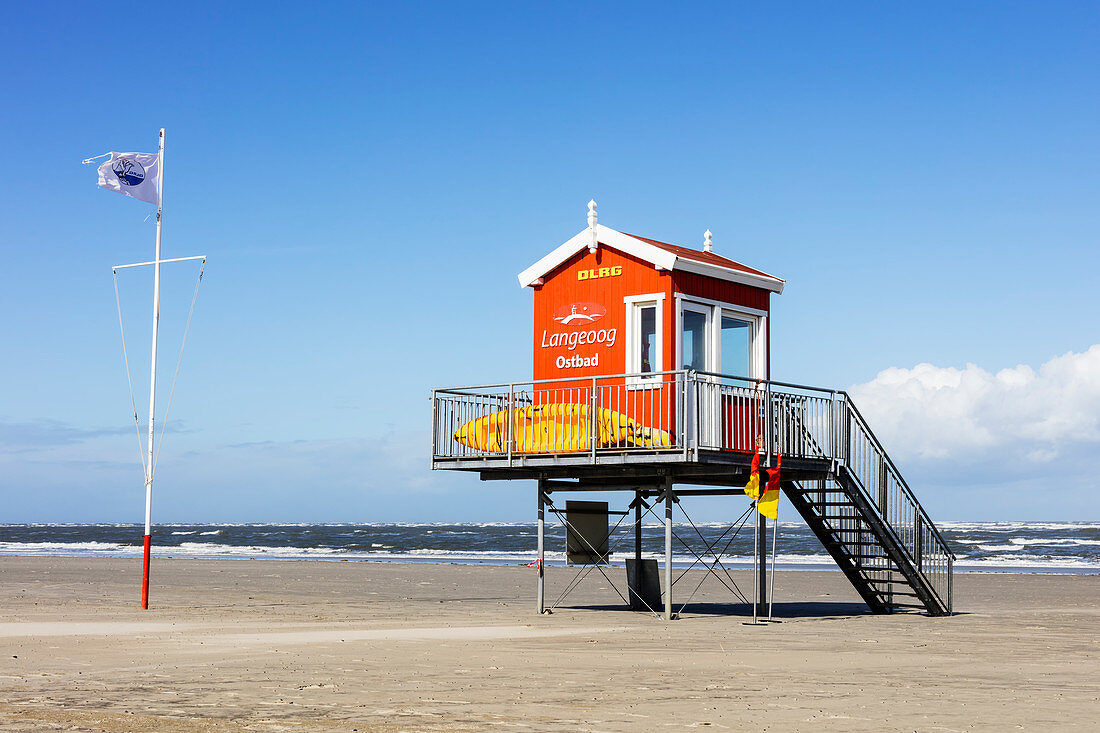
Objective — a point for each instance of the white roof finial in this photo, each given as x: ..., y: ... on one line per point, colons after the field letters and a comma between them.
x: 592, y: 226
x: 708, y: 246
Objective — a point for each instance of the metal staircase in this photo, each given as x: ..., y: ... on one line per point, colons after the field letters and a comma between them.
x: 863, y: 547
x: 871, y: 524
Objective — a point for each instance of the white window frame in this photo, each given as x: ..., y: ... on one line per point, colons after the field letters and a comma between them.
x: 632, y: 339
x: 684, y: 304
x: 756, y: 318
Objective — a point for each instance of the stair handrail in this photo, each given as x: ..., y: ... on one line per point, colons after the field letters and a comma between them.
x: 897, y: 474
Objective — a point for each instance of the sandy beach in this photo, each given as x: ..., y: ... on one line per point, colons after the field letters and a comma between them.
x: 260, y: 645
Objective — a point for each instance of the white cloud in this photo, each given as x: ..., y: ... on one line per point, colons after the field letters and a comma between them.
x: 1016, y: 415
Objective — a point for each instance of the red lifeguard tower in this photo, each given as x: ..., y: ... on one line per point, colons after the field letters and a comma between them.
x: 652, y: 375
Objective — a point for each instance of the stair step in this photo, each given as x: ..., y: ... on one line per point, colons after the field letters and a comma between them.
x: 832, y: 503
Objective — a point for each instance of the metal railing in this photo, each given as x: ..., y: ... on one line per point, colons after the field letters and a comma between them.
x: 686, y: 412
x: 571, y: 416
x: 682, y: 410
x: 737, y: 413
x: 883, y: 486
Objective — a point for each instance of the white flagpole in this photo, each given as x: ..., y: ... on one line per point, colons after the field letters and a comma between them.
x: 771, y: 585
x: 153, y: 382
x: 756, y: 555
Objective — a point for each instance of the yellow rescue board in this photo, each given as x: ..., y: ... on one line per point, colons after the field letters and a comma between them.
x: 556, y: 428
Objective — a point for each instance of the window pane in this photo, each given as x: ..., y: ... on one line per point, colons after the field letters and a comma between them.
x: 736, y: 338
x: 648, y: 331
x: 694, y: 341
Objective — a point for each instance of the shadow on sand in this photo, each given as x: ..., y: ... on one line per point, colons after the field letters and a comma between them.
x: 792, y: 610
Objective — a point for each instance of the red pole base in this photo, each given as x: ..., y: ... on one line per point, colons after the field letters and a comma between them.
x: 145, y: 576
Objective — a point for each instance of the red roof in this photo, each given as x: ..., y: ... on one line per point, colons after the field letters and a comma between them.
x: 708, y: 257
x: 659, y: 254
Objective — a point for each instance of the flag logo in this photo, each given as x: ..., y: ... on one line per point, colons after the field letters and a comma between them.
x: 128, y: 171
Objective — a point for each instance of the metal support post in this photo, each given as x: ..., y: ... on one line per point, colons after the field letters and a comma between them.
x: 435, y: 425
x: 638, y: 529
x: 755, y: 563
x: 918, y: 544
x: 832, y: 425
x: 681, y: 414
x: 762, y: 554
x: 846, y: 433
x: 883, y: 479
x: 769, y: 436
x: 593, y: 416
x: 509, y: 429
x: 668, y: 550
x: 540, y: 592
x: 771, y: 582
x: 950, y: 585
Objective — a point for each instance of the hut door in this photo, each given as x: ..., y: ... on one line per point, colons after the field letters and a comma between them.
x: 696, y: 353
x: 742, y: 412
x: 723, y: 345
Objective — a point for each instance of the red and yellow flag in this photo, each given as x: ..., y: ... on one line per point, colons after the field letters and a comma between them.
x: 752, y: 488
x: 768, y: 505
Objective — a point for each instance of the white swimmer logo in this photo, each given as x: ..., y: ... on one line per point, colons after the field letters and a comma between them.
x: 580, y: 314
x: 574, y: 316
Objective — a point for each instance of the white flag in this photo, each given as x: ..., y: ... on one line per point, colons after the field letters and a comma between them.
x: 132, y: 174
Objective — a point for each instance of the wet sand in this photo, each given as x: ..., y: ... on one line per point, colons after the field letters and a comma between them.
x: 261, y: 645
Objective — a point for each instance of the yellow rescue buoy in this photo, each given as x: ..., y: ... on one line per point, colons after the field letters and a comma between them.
x: 557, y: 428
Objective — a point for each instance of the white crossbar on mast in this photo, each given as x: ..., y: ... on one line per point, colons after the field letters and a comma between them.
x: 163, y: 262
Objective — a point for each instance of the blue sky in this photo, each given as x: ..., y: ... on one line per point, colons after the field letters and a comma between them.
x: 367, y: 180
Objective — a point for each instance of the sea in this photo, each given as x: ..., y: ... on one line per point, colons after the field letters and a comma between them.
x: 1017, y: 547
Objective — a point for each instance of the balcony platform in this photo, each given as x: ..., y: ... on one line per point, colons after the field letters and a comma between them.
x: 652, y: 434
x: 632, y: 469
